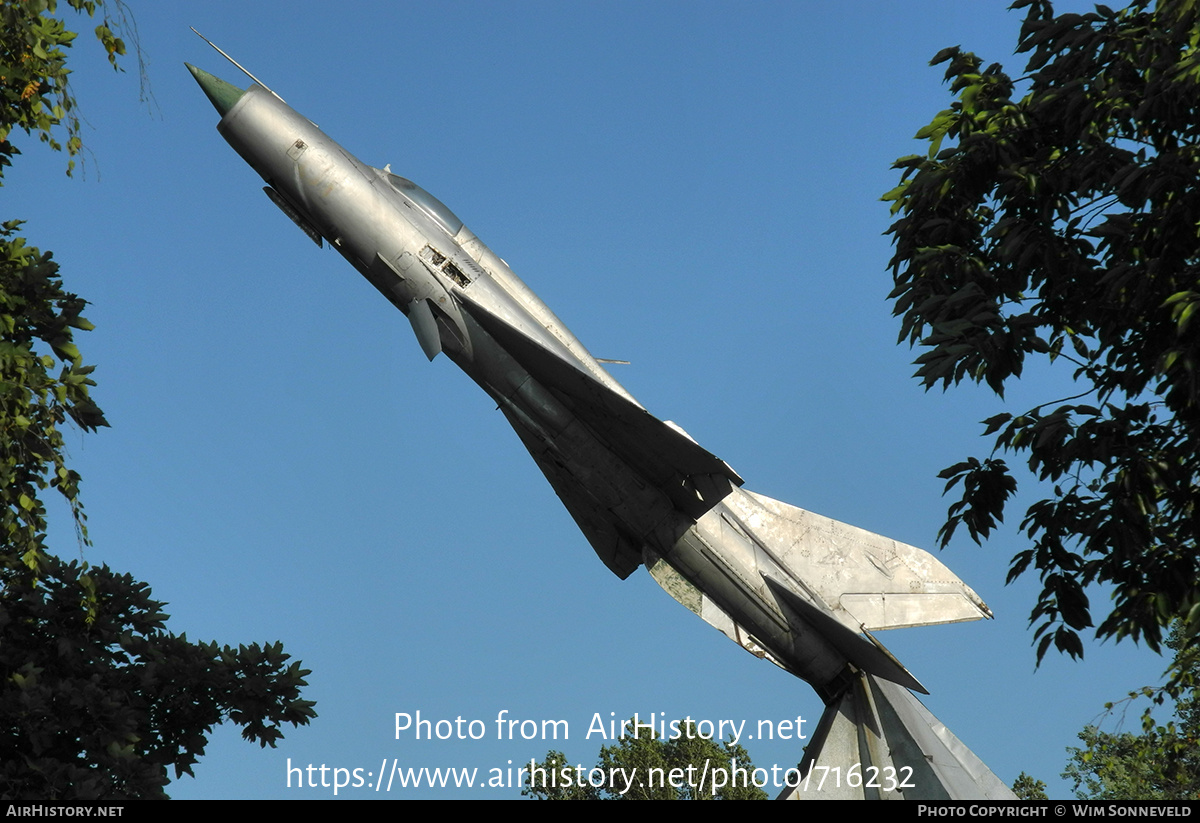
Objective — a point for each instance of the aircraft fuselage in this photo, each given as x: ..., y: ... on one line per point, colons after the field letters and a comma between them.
x: 641, y: 490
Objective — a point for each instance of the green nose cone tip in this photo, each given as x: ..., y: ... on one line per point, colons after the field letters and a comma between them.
x: 221, y: 94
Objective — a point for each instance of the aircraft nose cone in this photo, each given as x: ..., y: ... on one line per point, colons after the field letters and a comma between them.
x: 221, y: 94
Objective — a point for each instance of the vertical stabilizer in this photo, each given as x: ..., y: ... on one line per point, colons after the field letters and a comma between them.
x: 902, y: 752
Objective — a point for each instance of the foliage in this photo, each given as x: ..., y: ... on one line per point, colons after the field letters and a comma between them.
x: 101, y: 707
x: 1027, y: 788
x: 1132, y: 767
x: 33, y: 71
x: 97, y: 699
x: 1161, y: 763
x: 559, y: 780
x: 1062, y: 225
x: 649, y: 768
x: 35, y: 403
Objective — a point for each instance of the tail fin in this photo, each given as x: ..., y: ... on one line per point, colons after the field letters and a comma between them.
x: 901, y: 750
x: 868, y: 581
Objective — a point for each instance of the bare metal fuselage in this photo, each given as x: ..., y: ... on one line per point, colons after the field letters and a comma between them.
x: 788, y: 585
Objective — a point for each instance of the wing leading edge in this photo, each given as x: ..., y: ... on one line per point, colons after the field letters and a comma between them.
x: 608, y: 427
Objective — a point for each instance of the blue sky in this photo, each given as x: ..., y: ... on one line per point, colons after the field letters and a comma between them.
x: 693, y: 187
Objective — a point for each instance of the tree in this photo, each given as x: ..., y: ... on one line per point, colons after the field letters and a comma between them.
x: 36, y: 95
x: 1126, y: 766
x: 1161, y: 763
x: 1027, y: 788
x: 556, y: 779
x: 1061, y: 225
x: 688, y: 767
x: 97, y: 699
x: 99, y: 702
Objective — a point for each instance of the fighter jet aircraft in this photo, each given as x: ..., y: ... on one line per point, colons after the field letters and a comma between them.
x: 787, y: 585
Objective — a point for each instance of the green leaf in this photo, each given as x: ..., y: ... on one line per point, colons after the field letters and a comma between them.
x: 1070, y: 215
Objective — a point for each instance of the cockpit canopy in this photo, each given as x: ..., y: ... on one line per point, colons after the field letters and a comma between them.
x: 426, y: 202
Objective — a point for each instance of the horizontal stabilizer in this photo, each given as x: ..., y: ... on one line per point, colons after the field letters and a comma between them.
x: 868, y: 581
x: 894, y: 747
x: 866, y: 655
